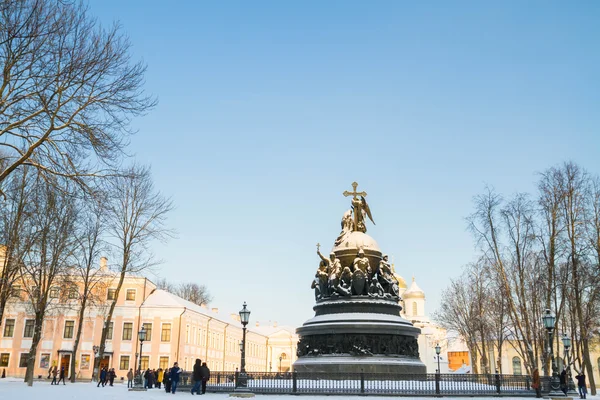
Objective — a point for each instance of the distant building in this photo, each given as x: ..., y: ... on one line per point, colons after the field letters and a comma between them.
x: 177, y: 330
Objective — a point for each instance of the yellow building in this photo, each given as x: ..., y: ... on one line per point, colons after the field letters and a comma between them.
x: 177, y: 330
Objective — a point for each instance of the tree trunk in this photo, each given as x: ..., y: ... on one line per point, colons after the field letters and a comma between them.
x: 107, y: 322
x: 78, y: 337
x: 37, y: 336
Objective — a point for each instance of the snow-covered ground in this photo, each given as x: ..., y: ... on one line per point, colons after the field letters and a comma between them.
x: 14, y: 389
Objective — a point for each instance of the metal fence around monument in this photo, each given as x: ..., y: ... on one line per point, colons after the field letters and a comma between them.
x: 373, y: 384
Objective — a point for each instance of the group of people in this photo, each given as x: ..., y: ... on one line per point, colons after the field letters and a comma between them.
x: 201, y: 375
x: 564, y: 385
x: 56, y: 373
x: 107, y: 376
x: 153, y: 378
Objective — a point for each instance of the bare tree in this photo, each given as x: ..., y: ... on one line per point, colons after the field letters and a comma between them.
x: 136, y: 216
x: 192, y: 292
x: 68, y: 90
x: 463, y: 311
x: 15, y: 233
x: 91, y: 280
x: 48, y: 259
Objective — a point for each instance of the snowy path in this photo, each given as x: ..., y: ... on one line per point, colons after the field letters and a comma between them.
x: 17, y: 390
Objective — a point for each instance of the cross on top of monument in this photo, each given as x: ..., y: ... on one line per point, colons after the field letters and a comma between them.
x: 354, y: 192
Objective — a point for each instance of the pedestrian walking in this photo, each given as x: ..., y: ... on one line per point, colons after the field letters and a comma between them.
x: 205, y: 372
x: 536, y: 383
x: 563, y: 381
x: 130, y: 378
x: 175, y: 373
x: 111, y: 376
x: 102, y: 380
x: 159, y: 377
x: 61, y: 376
x: 54, y: 374
x: 197, y: 376
x: 581, y: 385
x: 146, y: 374
x: 167, y: 380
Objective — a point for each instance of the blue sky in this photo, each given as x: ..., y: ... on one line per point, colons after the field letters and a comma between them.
x: 268, y: 111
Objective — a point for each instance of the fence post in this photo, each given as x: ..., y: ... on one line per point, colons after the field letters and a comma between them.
x: 437, y: 383
x: 362, y: 381
x: 497, y: 383
x: 294, y: 382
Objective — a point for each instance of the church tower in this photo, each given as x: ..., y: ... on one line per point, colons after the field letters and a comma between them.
x: 414, y: 301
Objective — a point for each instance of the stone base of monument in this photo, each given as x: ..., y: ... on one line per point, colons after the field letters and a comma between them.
x: 352, y: 364
x: 358, y: 334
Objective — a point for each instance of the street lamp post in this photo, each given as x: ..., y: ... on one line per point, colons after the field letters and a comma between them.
x: 139, y: 380
x: 549, y: 319
x: 566, y: 340
x: 242, y: 381
x: 438, y: 350
x: 280, y: 358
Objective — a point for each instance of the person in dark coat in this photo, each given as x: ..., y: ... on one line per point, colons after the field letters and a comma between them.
x: 102, y: 380
x: 167, y: 380
x: 581, y: 385
x: 563, y: 381
x: 175, y: 374
x: 146, y: 378
x: 205, y: 372
x: 197, y: 376
x: 112, y: 376
x: 61, y: 377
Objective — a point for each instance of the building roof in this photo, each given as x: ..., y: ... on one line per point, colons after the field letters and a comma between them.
x: 414, y: 291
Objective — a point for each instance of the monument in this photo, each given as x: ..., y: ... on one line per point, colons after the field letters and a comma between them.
x: 357, y: 325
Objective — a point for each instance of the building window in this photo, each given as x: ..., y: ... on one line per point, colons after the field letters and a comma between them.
x: 414, y: 309
x: 112, y: 294
x: 165, y: 334
x: 187, y: 334
x: 73, y: 294
x: 16, y: 291
x: 516, y: 362
x: 23, y: 360
x: 124, y: 364
x: 28, y: 332
x: 163, y: 363
x: 69, y: 328
x: 145, y: 362
x: 4, y: 357
x: 148, y: 327
x: 127, y: 330
x: 54, y: 293
x: 9, y: 327
x: 130, y: 294
x: 109, y: 331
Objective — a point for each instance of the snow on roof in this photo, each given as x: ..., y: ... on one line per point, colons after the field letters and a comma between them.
x: 161, y: 298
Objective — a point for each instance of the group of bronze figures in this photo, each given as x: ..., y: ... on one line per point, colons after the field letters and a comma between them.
x: 358, y: 345
x: 360, y: 279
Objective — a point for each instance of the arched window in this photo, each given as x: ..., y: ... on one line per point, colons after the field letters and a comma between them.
x: 517, y: 366
x: 414, y: 307
x: 283, y: 356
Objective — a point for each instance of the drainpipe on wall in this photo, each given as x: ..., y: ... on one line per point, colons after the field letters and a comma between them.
x: 224, y: 346
x: 179, y: 334
x: 207, y: 334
